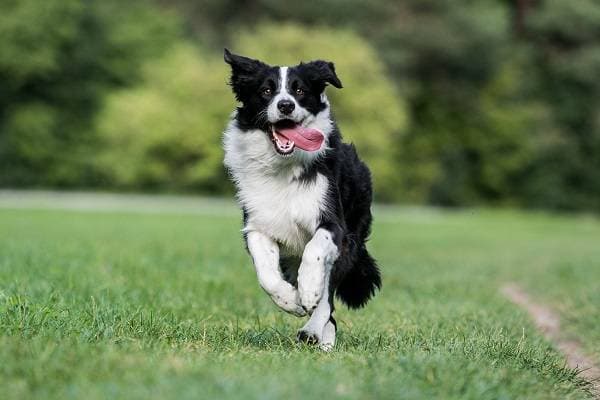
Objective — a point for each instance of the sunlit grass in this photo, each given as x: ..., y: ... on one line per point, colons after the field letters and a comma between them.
x: 166, y: 305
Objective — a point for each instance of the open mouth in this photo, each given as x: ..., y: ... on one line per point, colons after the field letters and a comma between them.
x: 286, y: 135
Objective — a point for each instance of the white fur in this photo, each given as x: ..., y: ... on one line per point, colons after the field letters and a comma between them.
x: 278, y: 204
x: 283, y: 213
x: 273, y: 113
x: 265, y: 254
x: 318, y: 258
x: 328, y: 339
x: 319, y: 326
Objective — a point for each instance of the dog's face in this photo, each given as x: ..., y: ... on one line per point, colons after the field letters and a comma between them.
x: 284, y: 102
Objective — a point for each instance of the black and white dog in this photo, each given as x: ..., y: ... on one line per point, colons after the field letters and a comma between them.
x: 305, y: 194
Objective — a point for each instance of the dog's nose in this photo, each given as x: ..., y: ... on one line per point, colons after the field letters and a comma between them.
x: 286, y: 106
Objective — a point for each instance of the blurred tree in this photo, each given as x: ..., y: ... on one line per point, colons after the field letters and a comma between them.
x: 566, y: 50
x: 477, y: 93
x: 448, y: 60
x: 472, y: 118
x: 57, y: 58
x: 166, y: 132
x: 493, y: 101
x: 430, y: 51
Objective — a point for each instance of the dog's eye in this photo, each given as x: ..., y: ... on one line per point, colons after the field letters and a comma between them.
x: 299, y: 92
x: 266, y: 91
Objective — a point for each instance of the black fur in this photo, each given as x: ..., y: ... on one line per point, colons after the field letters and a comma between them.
x: 248, y: 78
x: 355, y: 275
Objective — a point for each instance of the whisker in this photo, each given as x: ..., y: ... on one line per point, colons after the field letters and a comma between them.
x: 261, y: 117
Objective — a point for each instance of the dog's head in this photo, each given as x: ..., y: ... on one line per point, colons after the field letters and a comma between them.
x: 287, y: 103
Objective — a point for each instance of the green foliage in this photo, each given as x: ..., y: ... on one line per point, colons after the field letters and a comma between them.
x: 478, y: 149
x: 533, y: 140
x: 567, y: 64
x: 459, y: 150
x: 370, y: 112
x: 29, y: 133
x: 166, y: 132
x: 57, y: 58
x: 450, y: 102
x: 31, y: 37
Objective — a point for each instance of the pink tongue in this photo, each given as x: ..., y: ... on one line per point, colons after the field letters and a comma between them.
x: 306, y: 138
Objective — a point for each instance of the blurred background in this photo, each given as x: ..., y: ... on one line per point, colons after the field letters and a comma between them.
x: 452, y: 103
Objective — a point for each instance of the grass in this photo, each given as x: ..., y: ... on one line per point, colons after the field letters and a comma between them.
x: 110, y: 304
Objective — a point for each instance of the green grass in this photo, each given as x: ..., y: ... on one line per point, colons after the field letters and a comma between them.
x: 166, y: 305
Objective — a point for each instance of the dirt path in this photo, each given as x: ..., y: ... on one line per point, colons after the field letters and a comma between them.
x: 548, y: 322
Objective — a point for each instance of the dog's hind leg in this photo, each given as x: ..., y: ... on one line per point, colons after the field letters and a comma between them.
x: 265, y: 254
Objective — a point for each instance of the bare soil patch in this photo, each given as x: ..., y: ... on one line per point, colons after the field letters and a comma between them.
x: 548, y: 322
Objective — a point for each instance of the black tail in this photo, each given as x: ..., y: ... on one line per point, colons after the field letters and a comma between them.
x: 360, y: 282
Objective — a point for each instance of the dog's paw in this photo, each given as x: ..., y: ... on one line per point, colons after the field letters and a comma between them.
x: 308, y: 337
x: 286, y: 297
x: 328, y: 340
x: 309, y: 298
x: 325, y: 340
x: 294, y: 309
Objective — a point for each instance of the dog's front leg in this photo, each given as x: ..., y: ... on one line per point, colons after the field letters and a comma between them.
x: 317, y: 260
x: 265, y: 254
x: 320, y: 328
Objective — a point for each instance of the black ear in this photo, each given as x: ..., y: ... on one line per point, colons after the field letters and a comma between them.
x: 243, y: 70
x: 323, y: 72
x: 241, y: 64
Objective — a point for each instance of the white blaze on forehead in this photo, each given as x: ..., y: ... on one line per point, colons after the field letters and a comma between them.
x: 283, y: 71
x: 283, y: 84
x: 283, y: 94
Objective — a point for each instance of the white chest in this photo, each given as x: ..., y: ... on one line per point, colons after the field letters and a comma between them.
x: 286, y: 210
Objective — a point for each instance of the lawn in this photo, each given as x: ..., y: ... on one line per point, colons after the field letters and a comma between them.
x: 106, y: 302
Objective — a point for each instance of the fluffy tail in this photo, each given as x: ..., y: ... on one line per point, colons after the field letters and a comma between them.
x: 360, y: 282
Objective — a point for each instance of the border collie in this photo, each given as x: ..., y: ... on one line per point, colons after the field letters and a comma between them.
x: 305, y: 195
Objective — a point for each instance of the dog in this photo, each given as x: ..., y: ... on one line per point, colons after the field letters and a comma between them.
x: 305, y: 195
